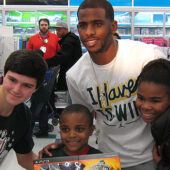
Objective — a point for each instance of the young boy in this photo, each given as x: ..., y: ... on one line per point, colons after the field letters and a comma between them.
x: 76, y: 125
x: 24, y: 72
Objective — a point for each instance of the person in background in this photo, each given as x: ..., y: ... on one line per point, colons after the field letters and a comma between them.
x: 76, y: 126
x: 39, y: 99
x: 153, y: 102
x: 69, y: 53
x: 24, y: 72
x: 103, y: 79
x: 47, y: 42
x: 44, y: 40
x: 116, y: 36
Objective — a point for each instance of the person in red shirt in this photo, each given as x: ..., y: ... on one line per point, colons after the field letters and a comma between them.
x: 44, y: 40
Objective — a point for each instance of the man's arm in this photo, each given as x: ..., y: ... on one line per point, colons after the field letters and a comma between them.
x: 58, y: 46
x: 155, y: 154
x: 26, y: 160
x: 46, y: 149
x: 29, y: 45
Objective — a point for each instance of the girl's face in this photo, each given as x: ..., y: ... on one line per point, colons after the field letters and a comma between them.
x: 152, y: 100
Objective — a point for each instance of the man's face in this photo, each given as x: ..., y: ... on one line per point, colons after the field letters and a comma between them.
x: 95, y: 29
x: 43, y: 27
x: 18, y: 88
x: 61, y: 32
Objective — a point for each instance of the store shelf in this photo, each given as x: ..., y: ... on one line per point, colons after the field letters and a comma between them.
x: 148, y: 26
x: 133, y: 22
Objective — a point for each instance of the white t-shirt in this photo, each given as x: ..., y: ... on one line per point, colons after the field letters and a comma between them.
x: 122, y: 129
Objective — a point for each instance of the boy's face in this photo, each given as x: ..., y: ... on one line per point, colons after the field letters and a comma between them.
x: 152, y: 100
x: 75, y: 131
x: 18, y: 88
x: 95, y: 29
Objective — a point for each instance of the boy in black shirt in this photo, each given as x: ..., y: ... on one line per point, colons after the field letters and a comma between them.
x: 24, y: 72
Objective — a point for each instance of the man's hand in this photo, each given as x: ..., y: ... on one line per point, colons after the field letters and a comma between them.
x: 48, y: 147
x: 155, y: 153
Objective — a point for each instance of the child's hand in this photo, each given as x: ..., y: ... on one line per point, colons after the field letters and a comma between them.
x: 46, y: 149
x: 155, y: 153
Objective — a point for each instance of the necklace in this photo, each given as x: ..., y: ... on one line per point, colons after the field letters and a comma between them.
x: 102, y: 95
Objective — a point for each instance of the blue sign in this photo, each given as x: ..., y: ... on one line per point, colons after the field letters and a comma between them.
x: 121, y: 2
x: 152, y: 3
x: 113, y: 2
x: 75, y: 2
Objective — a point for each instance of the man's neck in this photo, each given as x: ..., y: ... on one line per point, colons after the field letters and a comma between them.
x: 43, y: 34
x: 107, y: 56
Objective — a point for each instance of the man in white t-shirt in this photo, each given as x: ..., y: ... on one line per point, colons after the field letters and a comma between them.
x: 103, y: 80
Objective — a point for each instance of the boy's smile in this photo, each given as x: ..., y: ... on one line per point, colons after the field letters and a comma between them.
x: 152, y: 100
x: 75, y: 131
x: 17, y: 88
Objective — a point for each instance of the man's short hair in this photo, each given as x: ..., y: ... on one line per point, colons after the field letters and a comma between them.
x: 45, y: 20
x: 28, y: 63
x: 78, y: 108
x: 98, y: 4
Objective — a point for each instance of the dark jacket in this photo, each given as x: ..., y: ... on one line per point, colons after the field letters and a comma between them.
x: 68, y: 55
x: 161, y: 133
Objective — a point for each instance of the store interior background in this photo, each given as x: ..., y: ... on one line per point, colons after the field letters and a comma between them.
x: 143, y: 20
x: 146, y: 20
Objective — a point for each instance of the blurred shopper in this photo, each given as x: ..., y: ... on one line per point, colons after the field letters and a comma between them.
x: 39, y: 101
x: 68, y: 55
x: 46, y: 41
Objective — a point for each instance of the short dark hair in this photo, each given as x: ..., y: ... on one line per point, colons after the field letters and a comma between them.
x: 78, y: 108
x: 28, y: 63
x: 98, y: 4
x: 156, y: 71
x: 40, y: 52
x: 45, y: 20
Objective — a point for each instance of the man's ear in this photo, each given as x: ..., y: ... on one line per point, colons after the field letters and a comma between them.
x: 114, y: 27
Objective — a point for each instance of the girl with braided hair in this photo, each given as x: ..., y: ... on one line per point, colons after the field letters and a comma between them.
x: 153, y: 102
